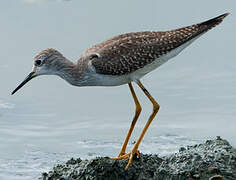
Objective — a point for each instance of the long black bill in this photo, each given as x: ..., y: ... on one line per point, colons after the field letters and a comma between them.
x: 28, y: 78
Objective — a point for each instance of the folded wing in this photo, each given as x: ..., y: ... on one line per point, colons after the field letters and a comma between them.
x: 129, y: 52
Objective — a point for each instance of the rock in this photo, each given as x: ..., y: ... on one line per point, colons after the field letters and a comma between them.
x: 214, y: 159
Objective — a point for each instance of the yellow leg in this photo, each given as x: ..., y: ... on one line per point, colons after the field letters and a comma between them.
x: 137, y: 113
x: 154, y: 112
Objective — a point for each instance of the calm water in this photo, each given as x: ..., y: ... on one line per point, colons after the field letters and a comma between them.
x: 49, y: 121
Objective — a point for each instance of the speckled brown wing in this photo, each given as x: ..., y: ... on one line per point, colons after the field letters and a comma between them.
x: 127, y: 53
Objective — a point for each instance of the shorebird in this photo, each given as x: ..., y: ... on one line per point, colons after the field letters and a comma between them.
x: 120, y: 60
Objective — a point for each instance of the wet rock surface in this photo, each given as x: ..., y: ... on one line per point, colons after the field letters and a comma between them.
x: 212, y: 160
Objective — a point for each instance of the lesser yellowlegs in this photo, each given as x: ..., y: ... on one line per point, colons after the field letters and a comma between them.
x: 121, y: 60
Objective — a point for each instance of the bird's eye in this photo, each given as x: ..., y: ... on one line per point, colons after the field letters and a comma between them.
x: 92, y: 56
x: 38, y: 62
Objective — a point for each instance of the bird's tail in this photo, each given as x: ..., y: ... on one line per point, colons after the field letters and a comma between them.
x: 186, y: 34
x: 207, y: 25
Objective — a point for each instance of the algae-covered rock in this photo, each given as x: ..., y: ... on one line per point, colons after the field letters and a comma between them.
x: 215, y: 159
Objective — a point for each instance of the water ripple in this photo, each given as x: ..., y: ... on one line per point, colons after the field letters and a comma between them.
x: 5, y: 105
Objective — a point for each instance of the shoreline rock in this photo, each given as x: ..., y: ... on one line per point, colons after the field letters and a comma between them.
x: 214, y: 159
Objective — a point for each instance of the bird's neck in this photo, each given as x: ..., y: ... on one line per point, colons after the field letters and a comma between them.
x: 71, y: 72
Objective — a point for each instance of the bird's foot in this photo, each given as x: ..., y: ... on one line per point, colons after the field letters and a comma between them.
x: 129, y: 155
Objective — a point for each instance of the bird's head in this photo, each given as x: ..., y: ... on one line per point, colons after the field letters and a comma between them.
x: 47, y: 62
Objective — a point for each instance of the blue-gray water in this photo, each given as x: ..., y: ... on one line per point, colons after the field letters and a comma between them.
x: 49, y: 121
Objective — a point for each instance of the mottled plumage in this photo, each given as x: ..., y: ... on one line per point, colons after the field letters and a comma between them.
x: 129, y: 52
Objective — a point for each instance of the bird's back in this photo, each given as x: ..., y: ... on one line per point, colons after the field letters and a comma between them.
x: 126, y: 53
